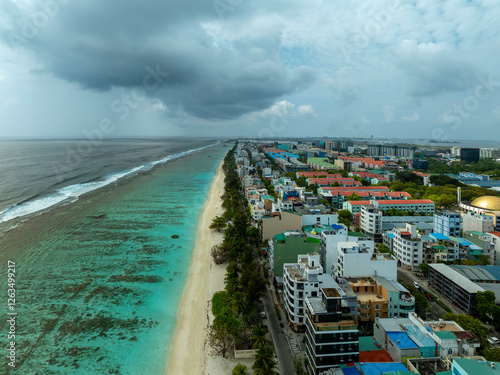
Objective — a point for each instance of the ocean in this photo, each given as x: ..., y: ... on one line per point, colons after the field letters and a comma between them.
x: 99, y: 277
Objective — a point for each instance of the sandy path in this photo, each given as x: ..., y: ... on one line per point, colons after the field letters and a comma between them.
x: 190, y: 353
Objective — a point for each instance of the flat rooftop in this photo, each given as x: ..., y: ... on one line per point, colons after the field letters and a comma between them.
x: 331, y: 292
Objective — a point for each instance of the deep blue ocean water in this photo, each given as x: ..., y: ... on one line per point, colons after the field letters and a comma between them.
x: 99, y: 291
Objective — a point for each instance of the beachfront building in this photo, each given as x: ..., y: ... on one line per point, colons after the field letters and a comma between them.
x: 447, y: 222
x: 408, y: 247
x: 331, y: 332
x: 305, y: 279
x: 285, y: 248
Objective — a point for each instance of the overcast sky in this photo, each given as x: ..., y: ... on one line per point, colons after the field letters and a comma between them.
x: 392, y: 68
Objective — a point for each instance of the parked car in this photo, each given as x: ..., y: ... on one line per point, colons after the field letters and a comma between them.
x: 493, y: 340
x: 428, y: 296
x: 416, y: 285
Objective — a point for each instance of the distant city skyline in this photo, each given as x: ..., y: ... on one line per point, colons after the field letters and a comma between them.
x: 424, y: 69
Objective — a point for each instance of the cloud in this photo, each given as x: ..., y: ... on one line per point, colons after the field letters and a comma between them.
x: 414, y: 117
x: 388, y: 112
x: 288, y: 110
x: 432, y: 69
x: 210, y: 75
x: 306, y: 110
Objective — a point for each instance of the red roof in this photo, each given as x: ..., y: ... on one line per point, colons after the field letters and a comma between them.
x: 375, y: 356
x: 407, y: 201
x: 359, y: 203
x: 313, y: 174
x: 394, y: 202
x: 340, y: 188
x: 496, y: 233
x: 406, y: 233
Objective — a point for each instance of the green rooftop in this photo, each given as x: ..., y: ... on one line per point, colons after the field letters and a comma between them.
x: 445, y: 335
x: 444, y: 373
x: 475, y: 367
x: 356, y: 234
x: 288, y: 250
x: 322, y: 163
x: 367, y: 343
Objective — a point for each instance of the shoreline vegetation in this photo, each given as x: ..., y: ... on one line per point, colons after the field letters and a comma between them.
x: 221, y: 305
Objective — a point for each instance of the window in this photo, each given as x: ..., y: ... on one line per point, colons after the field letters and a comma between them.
x: 377, y: 307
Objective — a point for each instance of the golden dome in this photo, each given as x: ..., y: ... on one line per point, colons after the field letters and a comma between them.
x: 487, y: 202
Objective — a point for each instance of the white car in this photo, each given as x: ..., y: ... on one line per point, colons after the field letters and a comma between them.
x: 416, y: 285
x: 493, y: 340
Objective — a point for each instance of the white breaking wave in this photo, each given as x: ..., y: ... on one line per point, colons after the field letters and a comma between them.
x: 72, y: 192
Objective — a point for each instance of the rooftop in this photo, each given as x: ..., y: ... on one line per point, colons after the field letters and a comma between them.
x: 479, y: 273
x: 402, y: 340
x: 456, y: 277
x: 475, y: 367
x: 373, y: 368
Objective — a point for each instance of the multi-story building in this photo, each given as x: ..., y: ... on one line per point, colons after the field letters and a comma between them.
x: 489, y: 153
x: 371, y: 222
x: 447, y: 222
x: 478, y: 223
x: 380, y: 297
x: 422, y: 206
x: 469, y: 154
x: 329, y: 245
x: 331, y: 332
x: 455, y: 287
x: 408, y: 247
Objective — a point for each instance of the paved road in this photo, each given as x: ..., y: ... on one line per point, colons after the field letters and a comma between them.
x: 436, y: 312
x: 285, y: 358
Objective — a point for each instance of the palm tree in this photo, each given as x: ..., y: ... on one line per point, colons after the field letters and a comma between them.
x: 240, y: 369
x: 264, y: 361
x: 259, y: 336
x: 237, y: 303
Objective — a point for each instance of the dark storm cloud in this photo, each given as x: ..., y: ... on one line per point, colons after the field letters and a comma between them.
x: 104, y: 44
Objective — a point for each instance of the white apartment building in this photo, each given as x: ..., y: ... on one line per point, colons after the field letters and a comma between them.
x: 356, y: 259
x: 329, y: 245
x: 301, y: 280
x: 478, y: 223
x: 407, y: 246
x: 371, y: 222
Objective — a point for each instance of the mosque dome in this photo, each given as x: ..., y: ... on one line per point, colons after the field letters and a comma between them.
x: 487, y: 202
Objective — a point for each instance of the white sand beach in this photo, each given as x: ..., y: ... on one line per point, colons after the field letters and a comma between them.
x: 190, y: 351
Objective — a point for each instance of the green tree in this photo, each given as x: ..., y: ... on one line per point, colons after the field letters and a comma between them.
x: 222, y: 333
x: 354, y: 197
x: 264, y: 361
x: 424, y: 267
x: 218, y: 223
x: 486, y: 304
x: 492, y: 354
x: 240, y: 369
x: 382, y: 248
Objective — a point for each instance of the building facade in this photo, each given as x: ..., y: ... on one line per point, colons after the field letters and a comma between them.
x: 331, y: 332
x: 447, y: 222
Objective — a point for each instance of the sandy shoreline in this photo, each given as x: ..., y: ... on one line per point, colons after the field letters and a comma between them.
x: 190, y: 353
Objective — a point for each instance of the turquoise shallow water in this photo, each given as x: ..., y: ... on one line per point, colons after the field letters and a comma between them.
x: 100, y: 294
